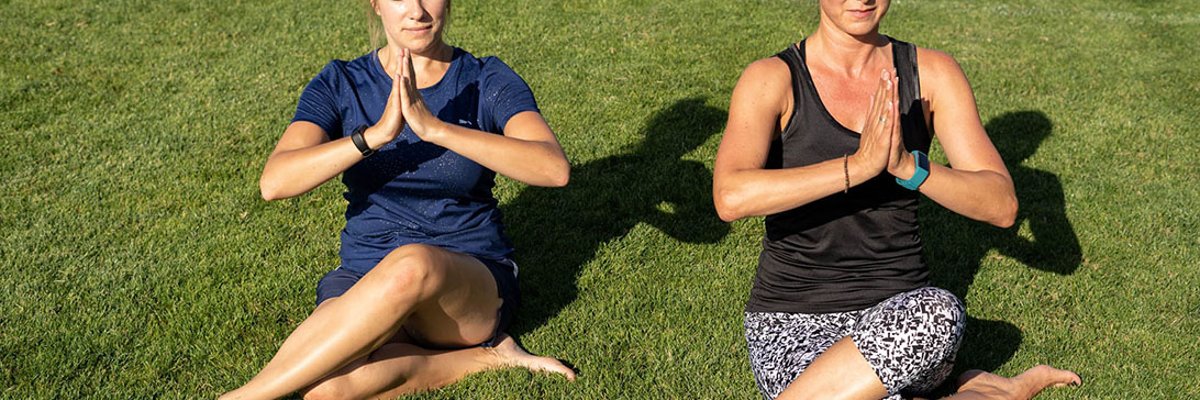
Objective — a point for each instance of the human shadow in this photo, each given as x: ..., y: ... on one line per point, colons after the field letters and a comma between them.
x: 955, y: 246
x: 558, y: 230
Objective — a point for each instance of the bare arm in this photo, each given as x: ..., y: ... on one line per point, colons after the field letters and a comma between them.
x: 762, y: 100
x: 305, y: 158
x: 978, y: 185
x: 528, y: 151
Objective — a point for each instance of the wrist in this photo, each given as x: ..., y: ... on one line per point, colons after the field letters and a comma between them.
x: 377, y: 137
x: 435, y: 131
x: 920, y: 172
x: 856, y: 171
x: 906, y: 168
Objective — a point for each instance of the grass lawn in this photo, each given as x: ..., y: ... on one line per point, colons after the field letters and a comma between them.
x: 138, y: 261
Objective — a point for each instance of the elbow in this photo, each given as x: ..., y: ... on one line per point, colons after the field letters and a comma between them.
x: 561, y: 176
x: 558, y: 175
x: 269, y: 194
x: 1008, y: 213
x: 270, y: 190
x: 728, y: 205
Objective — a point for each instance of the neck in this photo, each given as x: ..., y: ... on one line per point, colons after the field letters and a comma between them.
x: 842, y: 51
x: 428, y: 63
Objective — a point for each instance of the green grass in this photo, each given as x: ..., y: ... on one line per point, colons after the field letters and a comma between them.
x: 138, y: 261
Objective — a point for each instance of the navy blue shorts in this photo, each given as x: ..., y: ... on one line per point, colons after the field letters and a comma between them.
x: 337, y: 282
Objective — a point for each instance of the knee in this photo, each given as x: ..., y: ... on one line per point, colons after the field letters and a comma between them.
x: 410, y: 269
x: 942, y: 304
x: 941, y: 314
x: 328, y: 390
x: 933, y: 314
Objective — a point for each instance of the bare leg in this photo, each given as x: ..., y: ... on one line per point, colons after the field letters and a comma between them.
x: 976, y: 384
x: 448, y: 298
x: 398, y: 369
x: 841, y: 372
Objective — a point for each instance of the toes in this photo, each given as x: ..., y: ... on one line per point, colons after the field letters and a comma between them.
x: 559, y: 368
x: 550, y: 365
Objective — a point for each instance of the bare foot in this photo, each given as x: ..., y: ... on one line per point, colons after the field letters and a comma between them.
x: 511, y: 354
x: 1021, y: 387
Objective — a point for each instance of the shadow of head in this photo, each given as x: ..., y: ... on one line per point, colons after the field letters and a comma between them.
x: 557, y: 231
x: 1053, y: 245
x: 1019, y: 134
x: 674, y: 131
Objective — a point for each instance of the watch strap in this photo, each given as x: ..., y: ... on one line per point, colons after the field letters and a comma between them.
x: 920, y: 173
x: 360, y: 142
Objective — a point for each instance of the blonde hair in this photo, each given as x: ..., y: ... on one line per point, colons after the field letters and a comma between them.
x: 374, y: 26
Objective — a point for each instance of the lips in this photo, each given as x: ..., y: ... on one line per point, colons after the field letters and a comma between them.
x: 861, y: 14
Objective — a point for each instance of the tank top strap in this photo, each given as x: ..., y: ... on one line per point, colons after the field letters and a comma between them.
x: 904, y: 55
x: 795, y: 63
x: 912, y: 111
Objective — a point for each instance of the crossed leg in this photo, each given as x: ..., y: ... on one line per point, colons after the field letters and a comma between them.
x: 976, y: 384
x: 447, y: 299
x: 843, y: 373
x: 399, y: 368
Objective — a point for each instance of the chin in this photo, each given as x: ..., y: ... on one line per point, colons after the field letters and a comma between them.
x: 860, y: 28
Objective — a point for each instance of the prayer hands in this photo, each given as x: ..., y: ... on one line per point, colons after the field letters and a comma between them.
x: 391, y: 123
x: 880, y: 140
x: 422, y: 122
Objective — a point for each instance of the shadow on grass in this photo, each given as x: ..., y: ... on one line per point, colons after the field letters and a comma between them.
x: 955, y: 246
x: 557, y: 230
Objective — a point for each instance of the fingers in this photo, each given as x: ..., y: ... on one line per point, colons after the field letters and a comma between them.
x: 877, y: 102
x: 398, y: 58
x: 412, y: 73
x: 410, y: 94
x: 894, y: 112
x: 402, y: 75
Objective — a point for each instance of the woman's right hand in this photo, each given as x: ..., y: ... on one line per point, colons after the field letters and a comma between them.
x: 391, y: 123
x: 875, y: 141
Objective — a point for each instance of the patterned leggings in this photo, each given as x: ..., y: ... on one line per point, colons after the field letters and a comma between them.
x: 909, y: 339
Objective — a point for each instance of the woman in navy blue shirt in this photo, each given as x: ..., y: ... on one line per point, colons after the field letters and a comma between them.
x: 417, y: 129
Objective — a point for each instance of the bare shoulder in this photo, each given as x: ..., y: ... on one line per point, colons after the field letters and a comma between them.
x: 941, y: 76
x: 764, y: 82
x: 937, y: 63
x: 770, y: 71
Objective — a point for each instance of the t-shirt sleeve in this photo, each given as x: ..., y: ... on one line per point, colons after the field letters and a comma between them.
x: 318, y: 103
x: 503, y: 94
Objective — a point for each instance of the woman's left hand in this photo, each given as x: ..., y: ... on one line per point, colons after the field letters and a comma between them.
x: 418, y: 117
x: 900, y: 162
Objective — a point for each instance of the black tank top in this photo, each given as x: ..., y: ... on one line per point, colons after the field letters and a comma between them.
x: 846, y: 251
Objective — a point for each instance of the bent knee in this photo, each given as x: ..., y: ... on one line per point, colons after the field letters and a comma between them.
x: 939, y: 303
x: 410, y: 269
x: 930, y: 317
x: 332, y: 389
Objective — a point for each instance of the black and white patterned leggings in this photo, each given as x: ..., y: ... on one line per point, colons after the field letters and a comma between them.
x: 909, y: 339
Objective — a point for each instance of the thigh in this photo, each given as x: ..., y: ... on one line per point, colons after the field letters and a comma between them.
x: 459, y: 300
x: 911, y: 339
x: 783, y: 345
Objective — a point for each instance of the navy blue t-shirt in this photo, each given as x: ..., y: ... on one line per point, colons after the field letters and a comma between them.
x: 412, y: 191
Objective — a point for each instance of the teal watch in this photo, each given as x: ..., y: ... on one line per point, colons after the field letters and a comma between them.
x: 922, y: 171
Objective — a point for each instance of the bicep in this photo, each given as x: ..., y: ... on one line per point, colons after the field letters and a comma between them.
x: 529, y: 126
x: 955, y: 117
x: 300, y: 135
x: 759, y: 100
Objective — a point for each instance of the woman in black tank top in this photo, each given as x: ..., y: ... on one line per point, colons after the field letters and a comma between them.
x: 828, y: 141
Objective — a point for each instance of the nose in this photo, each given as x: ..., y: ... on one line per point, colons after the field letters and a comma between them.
x: 414, y: 10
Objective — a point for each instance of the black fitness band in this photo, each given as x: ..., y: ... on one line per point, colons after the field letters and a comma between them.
x: 360, y: 142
